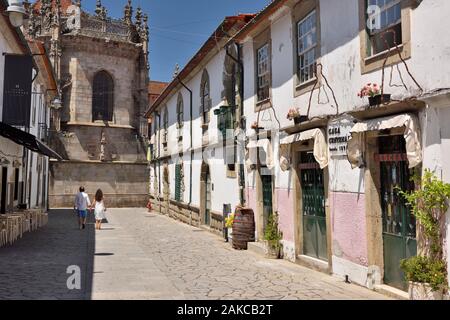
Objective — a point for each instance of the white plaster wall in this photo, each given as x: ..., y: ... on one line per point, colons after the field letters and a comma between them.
x: 196, y: 173
x: 289, y: 251
x: 343, y: 178
x: 282, y: 66
x: 226, y: 190
x: 340, y: 56
x: 357, y: 274
x: 249, y: 84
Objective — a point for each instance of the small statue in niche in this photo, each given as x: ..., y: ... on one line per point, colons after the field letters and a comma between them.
x: 103, y: 143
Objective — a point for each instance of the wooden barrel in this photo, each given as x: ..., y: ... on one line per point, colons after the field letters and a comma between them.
x: 243, y: 228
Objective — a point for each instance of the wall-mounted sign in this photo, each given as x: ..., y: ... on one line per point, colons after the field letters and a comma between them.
x: 17, y: 90
x: 339, y: 134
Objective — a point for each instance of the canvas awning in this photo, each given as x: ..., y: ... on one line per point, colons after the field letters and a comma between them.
x: 252, y: 153
x: 412, y: 137
x: 27, y: 140
x: 320, y: 147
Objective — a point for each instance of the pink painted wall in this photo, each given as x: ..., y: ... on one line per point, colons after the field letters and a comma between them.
x: 286, y: 211
x: 251, y: 199
x: 349, y: 227
x: 285, y: 208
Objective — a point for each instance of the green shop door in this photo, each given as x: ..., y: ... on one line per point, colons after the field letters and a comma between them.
x: 399, y: 225
x: 314, y: 215
x: 267, y: 198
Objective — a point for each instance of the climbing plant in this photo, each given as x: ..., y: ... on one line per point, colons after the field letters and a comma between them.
x: 429, y: 203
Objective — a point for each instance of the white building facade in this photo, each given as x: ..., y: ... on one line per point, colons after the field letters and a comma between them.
x: 327, y: 160
x: 336, y: 201
x: 23, y: 156
x: 192, y: 125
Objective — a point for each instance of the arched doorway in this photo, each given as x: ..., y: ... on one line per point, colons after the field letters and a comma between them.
x: 205, y: 195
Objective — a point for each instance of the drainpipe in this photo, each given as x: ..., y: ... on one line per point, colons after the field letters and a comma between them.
x: 241, y: 116
x: 191, y: 132
x: 159, y: 153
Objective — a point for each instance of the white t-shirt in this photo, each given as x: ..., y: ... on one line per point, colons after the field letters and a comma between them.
x: 82, y: 201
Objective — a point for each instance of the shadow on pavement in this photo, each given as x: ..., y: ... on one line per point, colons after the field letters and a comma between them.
x: 35, y: 267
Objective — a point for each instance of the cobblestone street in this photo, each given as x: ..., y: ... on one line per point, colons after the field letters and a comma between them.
x: 147, y: 256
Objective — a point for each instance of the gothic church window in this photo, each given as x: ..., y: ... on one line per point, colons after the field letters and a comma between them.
x: 103, y: 97
x: 180, y: 111
x: 205, y: 98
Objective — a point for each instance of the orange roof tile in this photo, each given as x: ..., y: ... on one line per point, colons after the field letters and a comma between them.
x: 156, y: 87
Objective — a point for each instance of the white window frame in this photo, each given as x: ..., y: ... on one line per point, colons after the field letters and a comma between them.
x: 374, y: 16
x: 180, y: 113
x: 308, y: 50
x: 263, y: 70
x: 206, y: 97
x: 383, y: 9
x: 166, y: 125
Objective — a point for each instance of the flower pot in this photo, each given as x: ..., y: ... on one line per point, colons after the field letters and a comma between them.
x: 300, y: 119
x: 379, y: 99
x: 272, y: 250
x: 423, y: 291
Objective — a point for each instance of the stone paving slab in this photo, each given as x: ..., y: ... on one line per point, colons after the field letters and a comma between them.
x: 136, y: 257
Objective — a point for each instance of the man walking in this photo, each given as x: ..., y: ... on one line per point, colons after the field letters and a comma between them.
x: 82, y: 203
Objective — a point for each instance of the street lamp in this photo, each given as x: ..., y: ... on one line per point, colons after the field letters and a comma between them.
x: 17, y: 13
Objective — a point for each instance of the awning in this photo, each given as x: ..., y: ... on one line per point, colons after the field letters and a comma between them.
x: 252, y: 153
x: 412, y: 136
x: 27, y: 140
x: 320, y: 147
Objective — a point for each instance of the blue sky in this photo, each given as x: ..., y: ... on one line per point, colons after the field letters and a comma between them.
x: 179, y: 27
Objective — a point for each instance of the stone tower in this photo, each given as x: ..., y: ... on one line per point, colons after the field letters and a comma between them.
x: 102, y: 67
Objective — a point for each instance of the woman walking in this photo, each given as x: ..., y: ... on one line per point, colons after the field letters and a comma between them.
x: 100, y: 209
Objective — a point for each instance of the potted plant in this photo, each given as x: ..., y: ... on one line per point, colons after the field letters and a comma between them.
x: 426, y: 277
x: 373, y: 91
x: 273, y: 237
x: 294, y: 114
x: 229, y: 221
x: 427, y: 273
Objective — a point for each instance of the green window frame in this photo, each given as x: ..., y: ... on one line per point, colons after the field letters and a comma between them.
x: 225, y: 119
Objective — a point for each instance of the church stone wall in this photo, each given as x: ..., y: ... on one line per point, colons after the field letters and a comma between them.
x: 82, y: 59
x: 124, y: 185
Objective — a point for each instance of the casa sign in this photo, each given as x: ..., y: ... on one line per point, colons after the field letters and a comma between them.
x: 339, y: 135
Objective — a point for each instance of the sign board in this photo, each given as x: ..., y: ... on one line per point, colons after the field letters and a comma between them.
x: 339, y: 135
x: 17, y: 90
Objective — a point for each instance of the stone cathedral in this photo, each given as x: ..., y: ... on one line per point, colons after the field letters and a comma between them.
x: 102, y: 67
